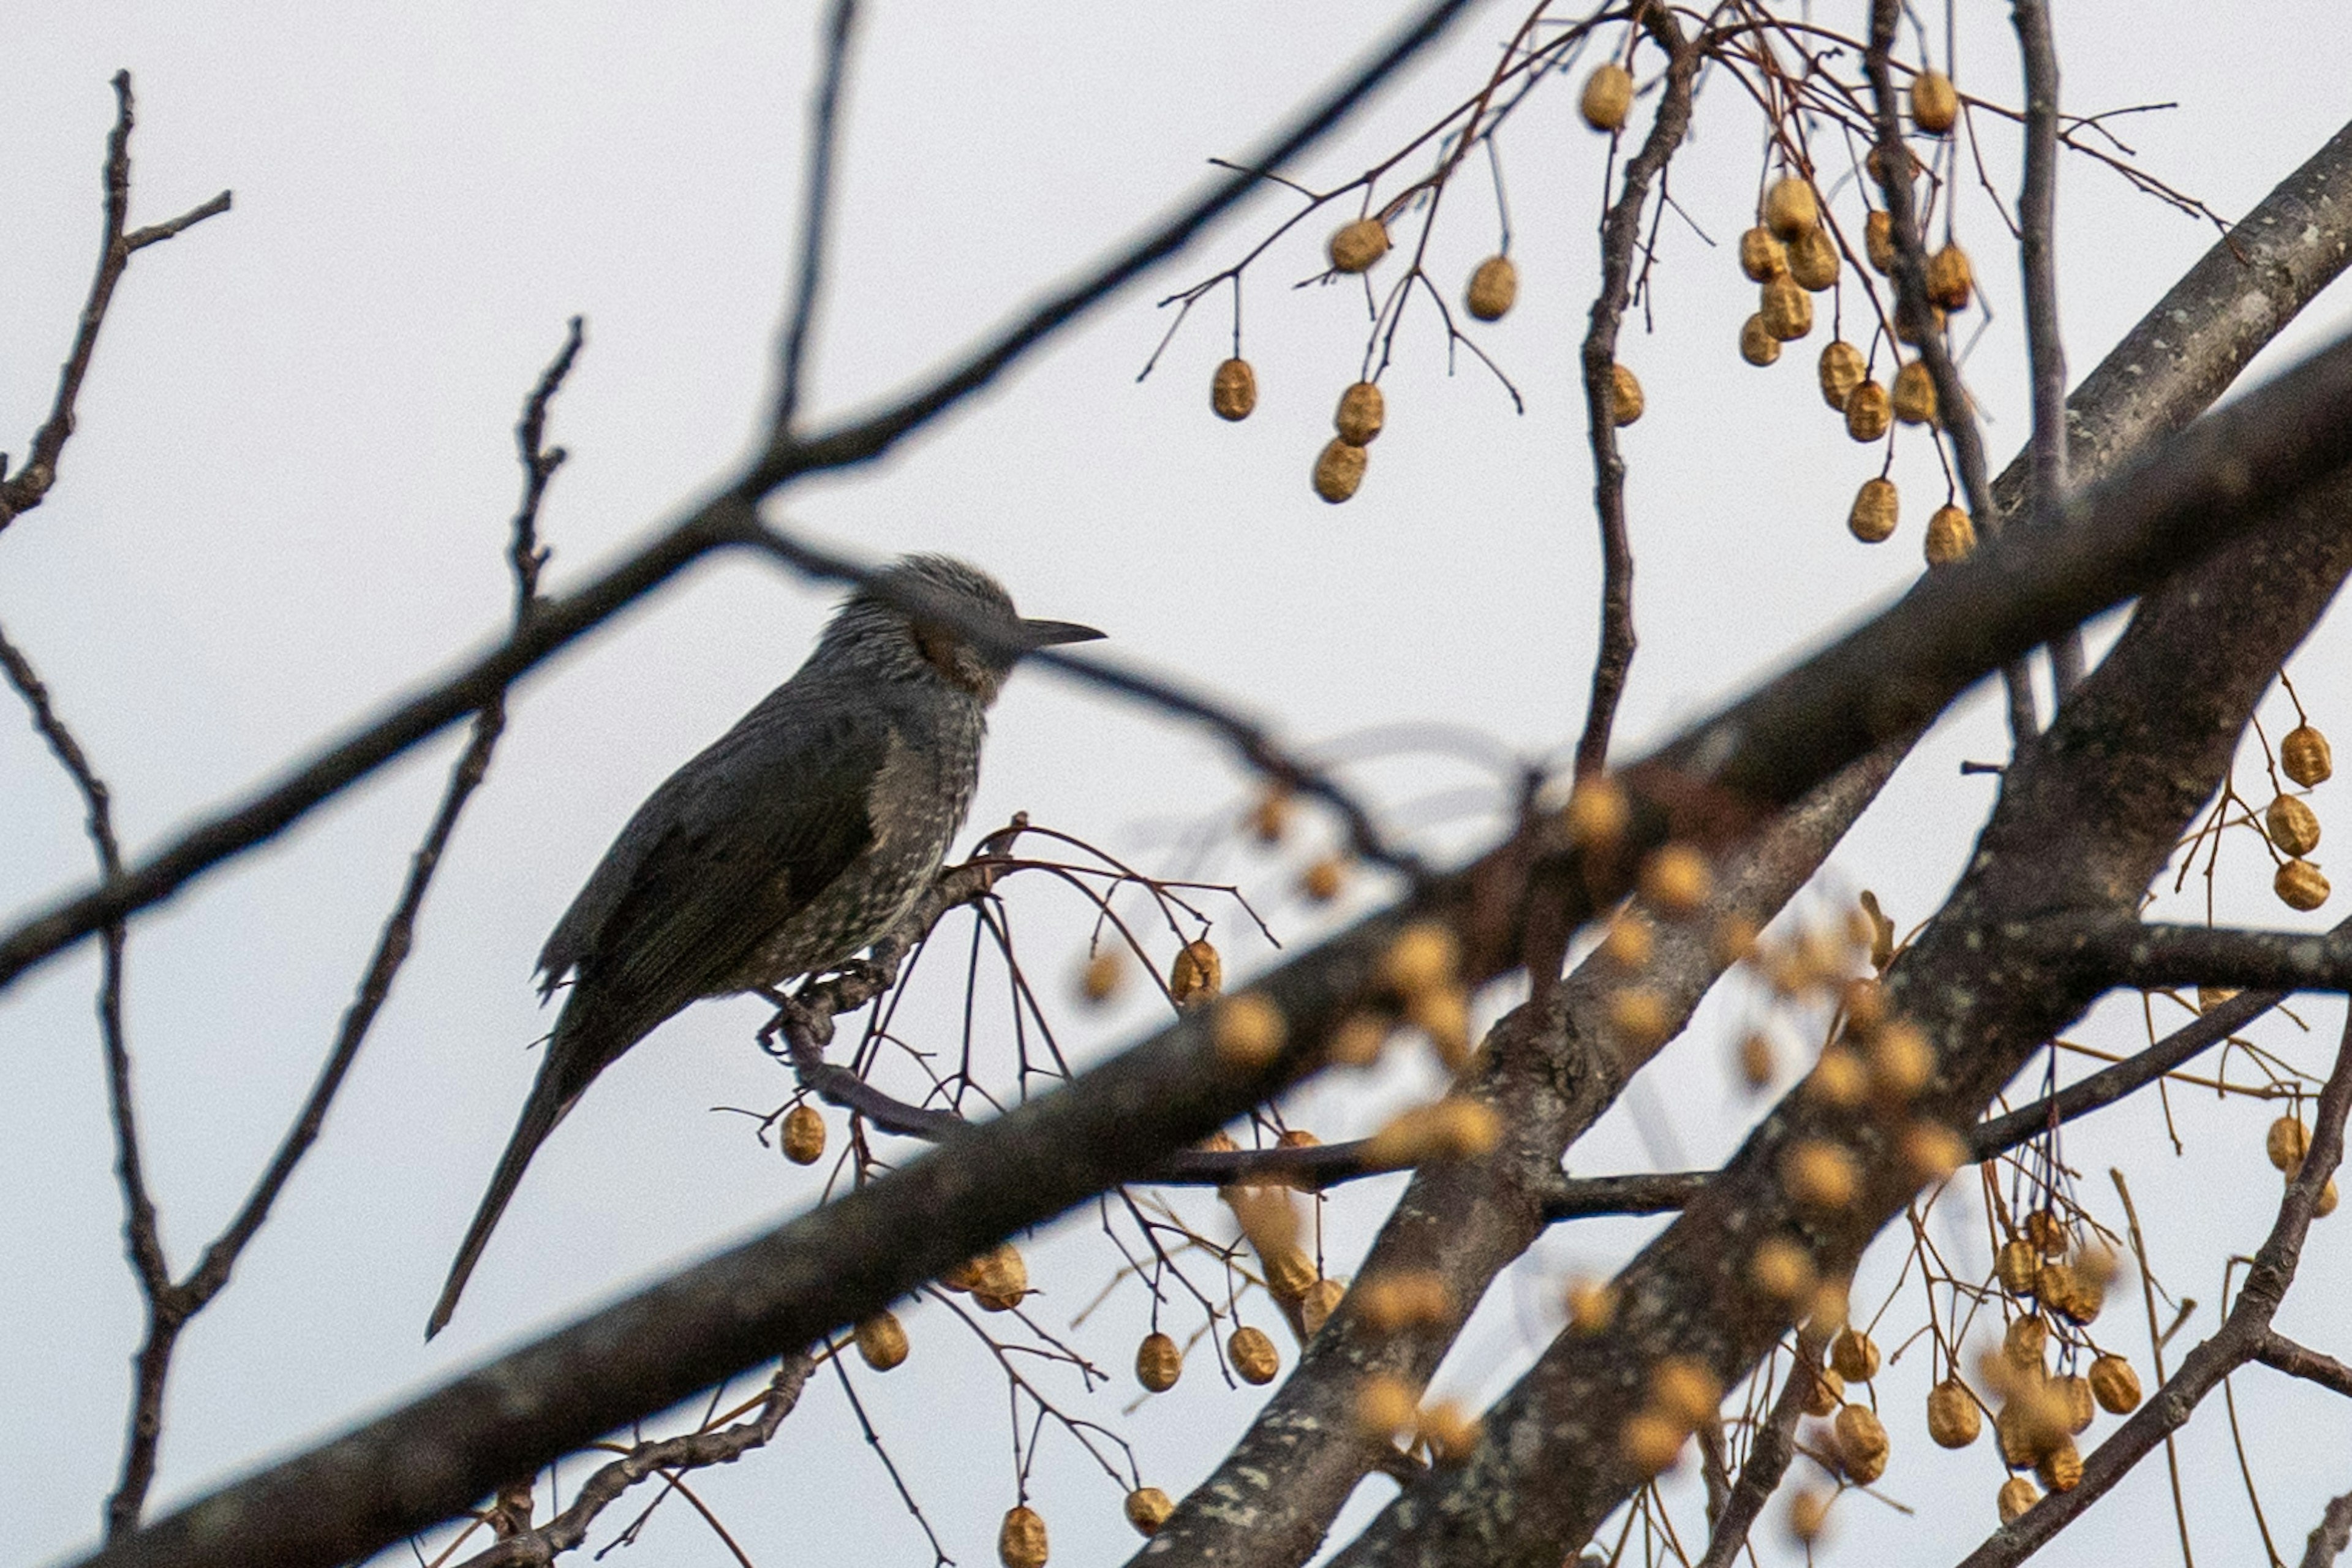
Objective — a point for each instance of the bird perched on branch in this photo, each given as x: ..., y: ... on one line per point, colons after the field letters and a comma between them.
x: 792, y: 843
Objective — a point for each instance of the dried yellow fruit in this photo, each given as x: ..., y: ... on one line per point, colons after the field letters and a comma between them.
x: 1608, y: 97
x: 1384, y: 1407
x: 1820, y: 1175
x: 1934, y: 106
x: 1158, y: 1362
x: 1289, y: 1273
x: 1878, y: 241
x: 2069, y: 1292
x: 1453, y: 1129
x: 1649, y: 1441
x: 1854, y: 1355
x: 999, y: 1278
x: 2073, y: 1393
x: 1270, y: 817
x: 1733, y: 940
x: 1356, y: 246
x: 1809, y: 1514
x: 1443, y: 1015
x: 1149, y: 1508
x: 1825, y: 1392
x: 1591, y: 1306
x: 2300, y: 886
x: 1362, y: 411
x: 2292, y: 826
x: 2304, y: 755
x: 1915, y: 394
x: 804, y: 1137
x: 1950, y: 279
x: 1838, y: 1078
x: 1338, y: 470
x: 1625, y: 405
x: 882, y: 1342
x: 1685, y: 1390
x: 1253, y: 1356
x: 1322, y: 881
x: 2324, y: 1205
x: 1597, y: 813
x: 1629, y: 941
x: 1248, y: 1031
x: 1871, y: 519
x: 2017, y: 1264
x: 1813, y: 260
x: 2211, y: 996
x: 1932, y: 1152
x: 2047, y: 1232
x: 1786, y: 308
x: 2061, y: 1465
x: 1782, y: 1269
x: 1359, y: 1040
x: 1758, y: 346
x: 1953, y: 1420
x: 1868, y: 412
x: 1233, y: 391
x: 1790, y: 208
x: 1675, y: 879
x: 1424, y: 957
x: 1494, y: 288
x: 1756, y: 1063
x: 1842, y: 370
x: 1862, y: 1444
x: 1451, y: 1433
x: 1197, y: 974
x: 1408, y: 1298
x: 1099, y: 980
x: 2017, y: 1498
x: 2023, y: 1341
x: 1951, y: 536
x: 1021, y: 1540
x: 1762, y: 255
x: 1641, y: 1017
x: 1322, y: 1299
x: 1901, y: 1062
x: 2114, y: 1385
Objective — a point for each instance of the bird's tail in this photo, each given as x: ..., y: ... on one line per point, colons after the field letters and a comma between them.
x: 540, y: 1113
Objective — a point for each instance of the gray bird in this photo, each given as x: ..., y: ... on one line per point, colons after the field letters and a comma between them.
x: 792, y: 844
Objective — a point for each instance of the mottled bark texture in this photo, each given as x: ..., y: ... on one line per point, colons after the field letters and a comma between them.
x: 2086, y: 818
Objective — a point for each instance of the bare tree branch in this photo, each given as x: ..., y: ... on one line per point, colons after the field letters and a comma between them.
x: 32, y: 480
x: 689, y: 1451
x: 2046, y: 348
x: 2330, y: 1535
x: 1768, y: 1460
x: 2243, y: 1336
x: 2152, y: 954
x: 1621, y: 233
x: 816, y: 214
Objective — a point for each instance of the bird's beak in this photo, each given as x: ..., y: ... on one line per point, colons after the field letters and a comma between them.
x: 1049, y: 634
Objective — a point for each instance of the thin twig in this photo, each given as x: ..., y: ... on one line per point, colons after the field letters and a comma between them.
x: 816, y: 212
x: 1621, y: 234
x: 2330, y: 1535
x: 2045, y: 350
x: 1768, y: 1454
x: 22, y: 492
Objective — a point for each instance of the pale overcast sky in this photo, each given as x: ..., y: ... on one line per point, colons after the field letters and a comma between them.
x: 290, y: 485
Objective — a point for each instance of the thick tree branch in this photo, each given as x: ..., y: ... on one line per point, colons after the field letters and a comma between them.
x: 33, y: 478
x: 2245, y: 1335
x: 2149, y: 955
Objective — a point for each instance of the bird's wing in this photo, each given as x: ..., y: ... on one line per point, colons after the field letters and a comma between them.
x: 729, y: 847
